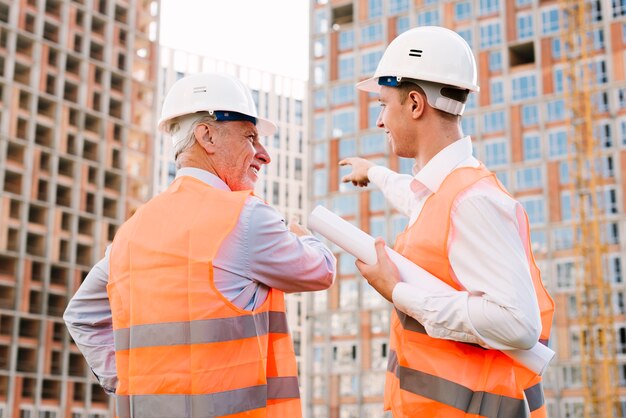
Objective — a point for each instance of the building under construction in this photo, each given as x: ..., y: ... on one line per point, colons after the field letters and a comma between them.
x: 550, y: 120
x: 77, y: 122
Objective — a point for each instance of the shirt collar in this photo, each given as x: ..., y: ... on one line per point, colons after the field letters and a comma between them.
x: 437, y: 169
x: 204, y: 176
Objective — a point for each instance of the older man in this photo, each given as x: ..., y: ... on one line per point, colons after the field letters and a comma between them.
x: 194, y: 323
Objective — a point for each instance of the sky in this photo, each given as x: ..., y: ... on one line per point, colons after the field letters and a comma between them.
x: 270, y: 35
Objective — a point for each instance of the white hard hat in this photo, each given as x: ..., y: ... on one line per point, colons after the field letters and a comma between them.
x: 429, y: 53
x: 221, y: 95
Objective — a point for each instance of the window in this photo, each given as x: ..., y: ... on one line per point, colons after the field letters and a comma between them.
x: 494, y: 121
x: 497, y: 91
x: 348, y: 292
x: 598, y: 69
x: 556, y: 48
x: 467, y: 35
x: 319, y: 387
x: 379, y: 355
x: 522, y: 3
x: 563, y: 238
x: 345, y: 205
x: 532, y: 147
x: 377, y: 201
x: 319, y: 47
x: 462, y: 10
x: 488, y: 7
x: 344, y: 123
x: 564, y: 172
x: 619, y: 7
x: 530, y: 115
x: 428, y: 18
x: 557, y: 76
x: 615, y: 269
x: 348, y: 386
x: 597, y: 36
x: 342, y: 94
x: 555, y: 110
x: 524, y: 87
x: 557, y: 143
x: 525, y: 28
x: 378, y: 226
x: 403, y: 24
x: 346, y: 67
x: 347, y: 148
x: 320, y: 152
x: 372, y: 33
x: 369, y: 62
x: 319, y: 131
x: 375, y: 8
x: 346, y: 40
x: 343, y: 323
x: 622, y: 131
x: 567, y: 211
x: 372, y: 144
x: 534, y: 207
x: 468, y: 124
x: 373, y: 111
x: 319, y: 98
x: 602, y: 131
x: 344, y: 353
x: 600, y: 101
x: 538, y: 241
x: 529, y: 178
x: 550, y: 21
x: 320, y: 182
x: 398, y: 6
x: 319, y: 74
x: 495, y: 61
x: 398, y: 224
x: 321, y: 21
x: 490, y: 34
x: 370, y: 298
x: 406, y: 166
x: 496, y: 153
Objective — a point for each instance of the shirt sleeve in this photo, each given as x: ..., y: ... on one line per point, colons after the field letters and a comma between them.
x: 395, y: 188
x: 89, y: 320
x: 498, y: 307
x: 280, y: 259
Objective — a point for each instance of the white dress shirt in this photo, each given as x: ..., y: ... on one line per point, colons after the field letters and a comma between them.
x: 497, y: 306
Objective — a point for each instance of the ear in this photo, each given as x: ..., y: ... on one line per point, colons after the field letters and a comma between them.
x: 417, y: 102
x: 204, y: 137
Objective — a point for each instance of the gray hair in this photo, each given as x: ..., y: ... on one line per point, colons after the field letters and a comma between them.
x: 182, y: 130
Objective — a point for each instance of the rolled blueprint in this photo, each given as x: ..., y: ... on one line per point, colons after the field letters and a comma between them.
x: 361, y: 245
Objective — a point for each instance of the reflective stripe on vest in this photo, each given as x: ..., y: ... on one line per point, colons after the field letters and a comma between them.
x: 207, y: 405
x: 481, y: 403
x: 201, y: 331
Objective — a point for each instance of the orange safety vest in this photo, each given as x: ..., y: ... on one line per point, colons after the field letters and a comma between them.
x: 431, y: 377
x: 181, y: 348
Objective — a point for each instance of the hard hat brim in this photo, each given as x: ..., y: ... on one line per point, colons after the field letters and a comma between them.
x: 265, y: 127
x: 370, y: 85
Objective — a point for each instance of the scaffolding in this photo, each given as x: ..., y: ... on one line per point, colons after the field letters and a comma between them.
x: 599, y: 374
